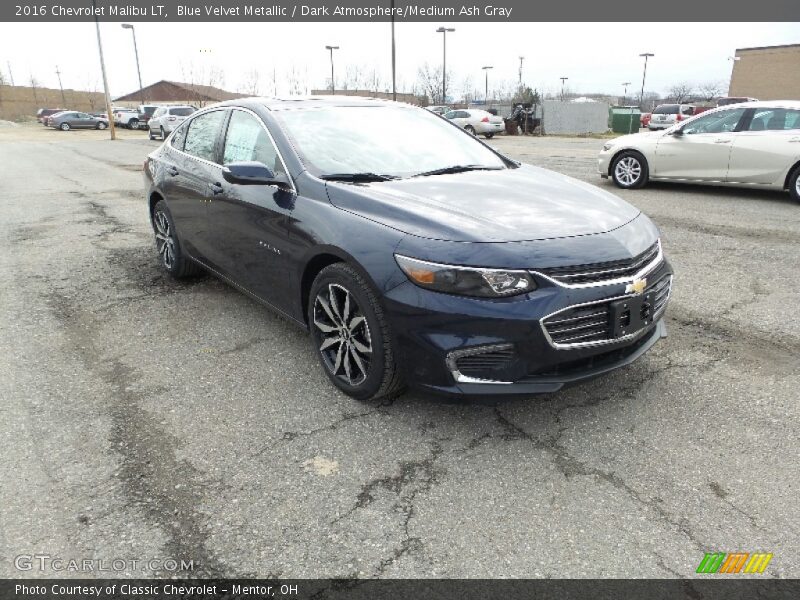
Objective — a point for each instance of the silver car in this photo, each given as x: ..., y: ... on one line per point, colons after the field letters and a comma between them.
x: 755, y: 144
x: 166, y: 118
x: 70, y: 119
x: 666, y: 115
x: 476, y: 121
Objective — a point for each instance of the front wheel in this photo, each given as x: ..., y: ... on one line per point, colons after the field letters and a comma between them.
x: 629, y: 170
x: 101, y: 125
x: 794, y: 185
x: 470, y: 129
x: 351, y: 335
x: 488, y: 136
x: 163, y: 134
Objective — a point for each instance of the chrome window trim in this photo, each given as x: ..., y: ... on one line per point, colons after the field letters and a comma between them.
x: 606, y: 342
x: 659, y: 258
x: 450, y: 361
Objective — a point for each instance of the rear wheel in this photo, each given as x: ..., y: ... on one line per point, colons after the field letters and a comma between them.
x: 794, y: 185
x: 169, y: 249
x: 150, y: 134
x: 101, y: 125
x: 488, y: 136
x: 470, y: 129
x: 64, y: 127
x: 351, y: 335
x: 629, y: 170
x: 163, y: 134
x: 133, y: 124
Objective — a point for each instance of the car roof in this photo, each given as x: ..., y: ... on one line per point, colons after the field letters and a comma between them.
x: 769, y: 104
x: 294, y: 102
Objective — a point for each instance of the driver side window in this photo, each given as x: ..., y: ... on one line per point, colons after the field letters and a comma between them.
x: 247, y: 140
x: 718, y: 122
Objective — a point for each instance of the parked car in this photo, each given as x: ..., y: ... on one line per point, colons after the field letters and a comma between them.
x: 666, y: 115
x: 439, y: 110
x: 700, y: 109
x: 476, y: 121
x: 166, y: 118
x: 412, y: 252
x: 126, y: 117
x: 43, y: 113
x: 756, y: 144
x: 145, y: 112
x: 645, y: 119
x: 734, y: 100
x: 70, y: 119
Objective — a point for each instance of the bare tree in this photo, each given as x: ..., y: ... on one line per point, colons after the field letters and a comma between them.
x: 429, y: 82
x: 250, y: 83
x: 710, y: 90
x: 3, y: 80
x: 296, y: 82
x: 34, y: 83
x: 681, y: 92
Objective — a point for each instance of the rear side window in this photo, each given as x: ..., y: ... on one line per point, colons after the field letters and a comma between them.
x: 246, y: 140
x: 202, y: 135
x: 775, y: 119
x: 666, y: 109
x: 184, y: 111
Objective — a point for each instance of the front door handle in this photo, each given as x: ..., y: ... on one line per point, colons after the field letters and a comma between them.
x: 172, y: 171
x: 722, y: 141
x: 216, y: 188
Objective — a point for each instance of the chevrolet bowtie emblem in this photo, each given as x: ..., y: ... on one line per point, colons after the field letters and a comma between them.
x: 636, y: 286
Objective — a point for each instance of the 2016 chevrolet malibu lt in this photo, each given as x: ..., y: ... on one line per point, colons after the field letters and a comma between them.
x: 754, y: 144
x: 414, y: 253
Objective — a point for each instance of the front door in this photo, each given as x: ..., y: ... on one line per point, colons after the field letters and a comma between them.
x: 702, y: 151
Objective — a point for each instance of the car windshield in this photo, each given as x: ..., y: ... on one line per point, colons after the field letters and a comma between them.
x: 666, y: 109
x: 181, y: 112
x: 386, y: 140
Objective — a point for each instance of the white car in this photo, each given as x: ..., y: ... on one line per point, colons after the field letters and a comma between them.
x: 666, y: 115
x: 756, y: 144
x: 166, y: 118
x: 476, y: 121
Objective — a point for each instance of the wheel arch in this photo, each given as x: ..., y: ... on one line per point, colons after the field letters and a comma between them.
x: 789, y: 174
x: 616, y: 154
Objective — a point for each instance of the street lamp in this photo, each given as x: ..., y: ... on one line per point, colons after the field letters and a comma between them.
x: 486, y: 71
x: 625, y: 85
x: 443, y: 31
x: 646, y: 55
x: 136, y: 52
x: 563, y: 79
x: 332, y: 48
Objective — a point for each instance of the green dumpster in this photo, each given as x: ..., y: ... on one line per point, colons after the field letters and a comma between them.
x: 625, y: 119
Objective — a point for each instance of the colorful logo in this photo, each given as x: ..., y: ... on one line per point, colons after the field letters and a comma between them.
x: 734, y: 562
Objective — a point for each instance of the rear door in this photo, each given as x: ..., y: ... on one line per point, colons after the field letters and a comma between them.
x: 248, y: 223
x: 195, y: 176
x: 767, y: 146
x: 702, y: 152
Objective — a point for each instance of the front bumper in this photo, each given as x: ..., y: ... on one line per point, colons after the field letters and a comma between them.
x: 432, y: 328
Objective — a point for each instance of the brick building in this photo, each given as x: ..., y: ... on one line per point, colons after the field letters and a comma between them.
x: 767, y: 73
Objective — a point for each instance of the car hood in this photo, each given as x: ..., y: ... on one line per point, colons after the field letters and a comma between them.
x: 511, y: 205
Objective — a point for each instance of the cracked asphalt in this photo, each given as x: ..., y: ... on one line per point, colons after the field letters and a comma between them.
x: 143, y: 417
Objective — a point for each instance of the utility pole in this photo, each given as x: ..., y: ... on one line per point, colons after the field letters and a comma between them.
x: 443, y: 31
x: 625, y: 85
x: 394, y: 71
x: 563, y: 79
x: 332, y: 48
x: 521, y: 58
x: 486, y: 71
x: 111, y: 127
x: 646, y: 55
x: 61, y: 87
x: 136, y: 52
x: 10, y: 74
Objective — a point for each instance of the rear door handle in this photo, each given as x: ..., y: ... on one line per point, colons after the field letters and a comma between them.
x: 172, y: 171
x: 722, y: 141
x: 216, y: 188
x: 795, y: 139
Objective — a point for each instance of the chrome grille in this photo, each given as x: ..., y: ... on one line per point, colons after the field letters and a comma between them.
x: 591, y: 323
x: 603, y: 272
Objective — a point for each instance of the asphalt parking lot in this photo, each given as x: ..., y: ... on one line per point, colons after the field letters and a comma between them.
x: 144, y: 418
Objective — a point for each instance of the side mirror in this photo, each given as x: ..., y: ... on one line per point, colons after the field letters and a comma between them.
x: 252, y: 173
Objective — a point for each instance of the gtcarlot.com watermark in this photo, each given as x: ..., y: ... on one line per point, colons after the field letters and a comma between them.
x: 57, y: 564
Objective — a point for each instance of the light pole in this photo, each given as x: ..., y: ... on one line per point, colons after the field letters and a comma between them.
x: 625, y: 85
x: 443, y: 31
x: 331, y: 49
x: 394, y: 76
x: 563, y: 79
x: 136, y: 53
x: 646, y: 55
x: 521, y: 58
x: 61, y: 87
x: 486, y: 71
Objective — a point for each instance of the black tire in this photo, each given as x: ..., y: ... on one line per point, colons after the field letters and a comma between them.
x: 470, y: 129
x: 629, y: 170
x: 163, y: 134
x: 377, y: 376
x: 64, y: 127
x: 101, y: 125
x: 488, y: 136
x: 169, y: 249
x: 133, y: 124
x: 794, y: 184
x: 150, y: 134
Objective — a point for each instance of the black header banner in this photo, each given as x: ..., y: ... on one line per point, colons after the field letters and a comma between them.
x: 705, y: 588
x: 383, y: 10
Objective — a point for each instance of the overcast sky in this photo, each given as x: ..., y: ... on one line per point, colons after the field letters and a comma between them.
x: 597, y: 57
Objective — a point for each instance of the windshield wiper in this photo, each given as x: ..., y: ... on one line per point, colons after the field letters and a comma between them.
x: 457, y: 169
x: 358, y: 177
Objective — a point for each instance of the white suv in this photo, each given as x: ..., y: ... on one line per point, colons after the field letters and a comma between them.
x: 166, y: 119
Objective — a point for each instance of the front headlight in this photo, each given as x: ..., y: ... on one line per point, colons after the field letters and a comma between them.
x: 466, y: 281
x: 608, y: 146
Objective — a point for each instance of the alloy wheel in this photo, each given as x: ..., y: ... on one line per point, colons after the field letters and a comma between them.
x: 628, y: 170
x: 797, y: 186
x: 164, y: 240
x: 345, y: 339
